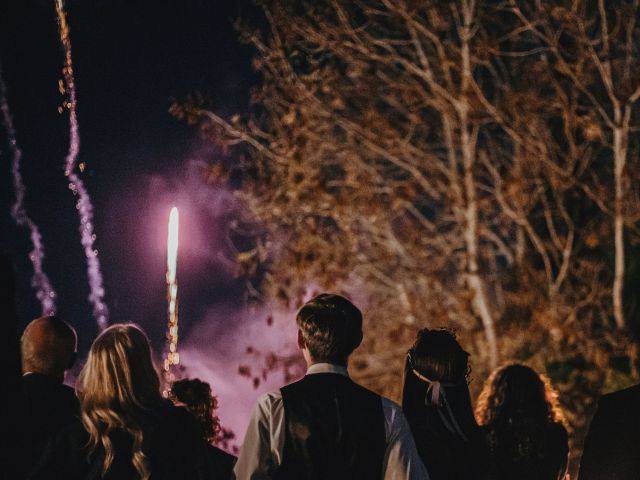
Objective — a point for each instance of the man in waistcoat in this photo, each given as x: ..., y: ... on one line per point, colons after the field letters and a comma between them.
x: 326, y: 426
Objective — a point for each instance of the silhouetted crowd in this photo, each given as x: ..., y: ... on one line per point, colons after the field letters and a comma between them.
x: 117, y: 425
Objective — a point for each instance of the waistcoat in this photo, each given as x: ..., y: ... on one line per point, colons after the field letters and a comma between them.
x: 334, y: 429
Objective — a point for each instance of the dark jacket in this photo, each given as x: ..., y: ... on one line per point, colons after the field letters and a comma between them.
x: 221, y: 462
x: 446, y: 455
x: 545, y: 458
x: 612, y: 446
x: 173, y: 446
x: 47, y: 407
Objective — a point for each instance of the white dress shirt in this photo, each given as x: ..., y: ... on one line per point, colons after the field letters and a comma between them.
x: 263, y: 445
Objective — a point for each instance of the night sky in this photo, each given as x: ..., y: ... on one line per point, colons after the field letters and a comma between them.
x: 131, y: 58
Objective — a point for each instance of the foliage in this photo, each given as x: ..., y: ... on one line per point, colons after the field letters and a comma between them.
x: 465, y: 163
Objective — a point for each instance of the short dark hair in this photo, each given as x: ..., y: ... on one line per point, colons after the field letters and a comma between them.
x: 331, y: 327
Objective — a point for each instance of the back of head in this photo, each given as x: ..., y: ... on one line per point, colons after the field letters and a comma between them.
x: 518, y: 407
x: 196, y: 396
x: 437, y: 366
x: 517, y: 394
x: 331, y: 327
x: 48, y: 346
x: 437, y: 355
x: 119, y: 371
x: 116, y: 384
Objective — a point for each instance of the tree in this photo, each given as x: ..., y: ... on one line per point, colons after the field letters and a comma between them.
x: 439, y: 159
x: 593, y: 50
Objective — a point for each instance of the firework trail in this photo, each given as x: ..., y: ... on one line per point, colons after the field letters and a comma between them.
x: 172, y: 356
x: 40, y: 281
x: 76, y: 185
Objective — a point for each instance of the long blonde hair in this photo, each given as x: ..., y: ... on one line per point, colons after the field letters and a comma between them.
x: 116, y: 384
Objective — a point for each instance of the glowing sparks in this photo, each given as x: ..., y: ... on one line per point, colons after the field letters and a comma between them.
x: 172, y: 356
x: 76, y: 185
x: 40, y: 281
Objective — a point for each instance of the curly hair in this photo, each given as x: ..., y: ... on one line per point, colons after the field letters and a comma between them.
x: 516, y: 403
x: 196, y: 396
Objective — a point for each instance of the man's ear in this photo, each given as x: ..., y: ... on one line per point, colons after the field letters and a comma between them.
x: 301, y: 343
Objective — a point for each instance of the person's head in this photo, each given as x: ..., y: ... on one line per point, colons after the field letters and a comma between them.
x: 436, y: 377
x: 329, y: 329
x: 117, y: 381
x: 517, y: 394
x: 437, y: 355
x: 195, y: 395
x: 48, y: 347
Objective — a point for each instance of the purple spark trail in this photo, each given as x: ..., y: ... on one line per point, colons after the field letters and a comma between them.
x: 40, y: 281
x: 76, y: 185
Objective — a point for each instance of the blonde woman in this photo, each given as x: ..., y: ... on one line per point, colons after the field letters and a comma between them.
x: 519, y: 413
x: 126, y: 429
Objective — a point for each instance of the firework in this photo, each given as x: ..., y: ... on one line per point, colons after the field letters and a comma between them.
x: 172, y: 357
x: 40, y: 281
x: 76, y: 185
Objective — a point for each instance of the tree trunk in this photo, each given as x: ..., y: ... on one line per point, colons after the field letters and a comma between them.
x: 620, y: 160
x: 474, y: 282
x: 479, y: 302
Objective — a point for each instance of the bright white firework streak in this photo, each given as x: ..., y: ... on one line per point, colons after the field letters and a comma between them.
x: 40, y: 281
x: 172, y: 357
x: 76, y: 185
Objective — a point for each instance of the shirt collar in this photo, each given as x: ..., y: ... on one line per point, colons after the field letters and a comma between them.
x: 327, y: 368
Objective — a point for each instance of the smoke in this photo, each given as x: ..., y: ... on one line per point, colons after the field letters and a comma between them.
x: 240, y: 349
x: 242, y: 354
x: 40, y: 281
x: 76, y: 185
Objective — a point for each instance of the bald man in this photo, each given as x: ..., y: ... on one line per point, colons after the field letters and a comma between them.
x: 48, y: 347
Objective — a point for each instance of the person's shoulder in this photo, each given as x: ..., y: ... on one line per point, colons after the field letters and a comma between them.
x: 270, y: 398
x: 390, y: 405
x: 222, y: 462
x: 167, y: 419
x: 38, y: 389
x: 168, y: 411
x: 221, y: 456
x: 558, y: 431
x: 392, y: 411
x: 36, y: 383
x: 629, y: 395
x: 620, y: 401
x: 69, y: 394
x: 268, y: 402
x: 168, y: 415
x: 73, y: 433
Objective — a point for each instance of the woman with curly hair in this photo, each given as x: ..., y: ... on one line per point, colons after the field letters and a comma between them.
x: 437, y: 404
x: 522, y: 422
x: 126, y: 429
x: 195, y: 395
